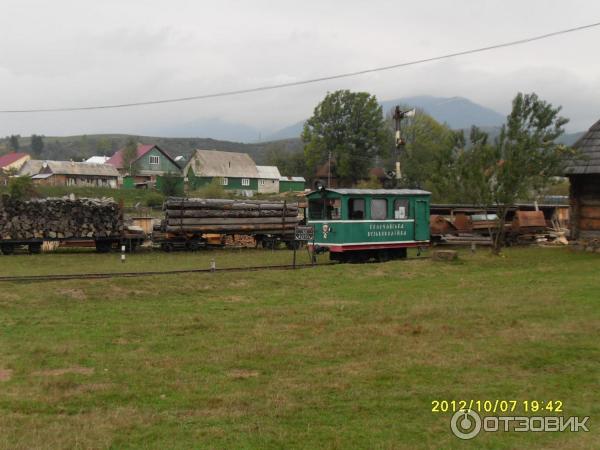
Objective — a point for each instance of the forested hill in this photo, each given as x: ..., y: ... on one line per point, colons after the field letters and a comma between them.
x: 82, y: 147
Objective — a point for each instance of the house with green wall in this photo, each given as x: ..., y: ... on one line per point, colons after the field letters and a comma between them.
x: 151, y: 162
x: 292, y: 184
x: 234, y: 171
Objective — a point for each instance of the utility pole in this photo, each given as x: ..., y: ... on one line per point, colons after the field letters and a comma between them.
x: 329, y: 170
x: 398, y: 116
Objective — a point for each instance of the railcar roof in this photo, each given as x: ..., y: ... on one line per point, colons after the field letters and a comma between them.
x: 376, y: 191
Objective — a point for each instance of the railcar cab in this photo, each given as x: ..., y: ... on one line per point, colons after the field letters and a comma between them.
x: 361, y: 224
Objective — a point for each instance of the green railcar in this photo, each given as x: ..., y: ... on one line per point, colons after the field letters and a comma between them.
x: 356, y: 225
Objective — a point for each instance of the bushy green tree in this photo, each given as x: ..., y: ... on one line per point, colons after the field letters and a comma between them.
x: 103, y: 146
x: 523, y: 160
x: 129, y: 157
x: 171, y: 185
x: 351, y: 126
x: 21, y: 188
x: 13, y: 142
x: 37, y: 145
x: 289, y: 162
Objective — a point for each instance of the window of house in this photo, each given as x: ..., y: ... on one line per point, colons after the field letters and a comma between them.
x: 245, y: 181
x: 378, y: 209
x: 155, y: 160
x: 224, y: 181
x: 356, y: 209
x: 401, y: 208
x: 262, y: 182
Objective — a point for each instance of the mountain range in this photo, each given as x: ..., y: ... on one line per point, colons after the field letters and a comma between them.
x: 457, y: 112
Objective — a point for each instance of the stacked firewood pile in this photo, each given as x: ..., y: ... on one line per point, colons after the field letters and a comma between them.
x: 198, y: 215
x: 59, y: 218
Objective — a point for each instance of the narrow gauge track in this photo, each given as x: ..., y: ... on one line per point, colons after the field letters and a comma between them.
x: 105, y: 275
x: 95, y: 276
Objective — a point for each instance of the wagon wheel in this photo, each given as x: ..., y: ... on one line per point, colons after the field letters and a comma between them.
x: 34, y: 249
x: 7, y: 249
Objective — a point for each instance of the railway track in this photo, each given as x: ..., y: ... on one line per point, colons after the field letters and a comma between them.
x: 105, y: 275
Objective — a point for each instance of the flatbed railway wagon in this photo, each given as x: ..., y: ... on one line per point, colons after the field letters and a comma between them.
x: 72, y: 222
x: 189, y: 222
x: 356, y: 225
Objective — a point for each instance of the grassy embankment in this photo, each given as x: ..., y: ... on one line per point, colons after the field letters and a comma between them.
x: 347, y: 356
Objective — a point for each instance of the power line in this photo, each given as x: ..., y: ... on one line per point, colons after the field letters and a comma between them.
x: 309, y: 81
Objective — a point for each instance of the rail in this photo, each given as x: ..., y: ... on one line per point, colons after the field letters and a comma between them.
x: 105, y: 275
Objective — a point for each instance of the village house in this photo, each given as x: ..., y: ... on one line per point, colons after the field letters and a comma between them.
x: 292, y: 184
x: 584, y: 196
x: 268, y: 179
x: 70, y: 173
x: 150, y: 163
x: 30, y: 168
x: 234, y: 171
x: 13, y: 161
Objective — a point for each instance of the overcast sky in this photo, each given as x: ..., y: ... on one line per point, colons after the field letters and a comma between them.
x: 65, y: 53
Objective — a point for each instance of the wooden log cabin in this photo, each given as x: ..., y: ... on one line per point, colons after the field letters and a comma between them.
x: 584, y: 193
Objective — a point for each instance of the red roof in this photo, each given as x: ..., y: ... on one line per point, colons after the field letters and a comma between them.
x: 116, y: 160
x: 11, y: 158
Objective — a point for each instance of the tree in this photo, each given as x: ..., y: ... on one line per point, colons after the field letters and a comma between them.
x: 13, y: 142
x: 129, y: 157
x: 524, y: 159
x: 527, y: 155
x: 350, y: 126
x: 171, y: 184
x: 37, y: 145
x: 460, y: 172
x: 289, y: 162
x: 103, y: 146
x: 21, y: 188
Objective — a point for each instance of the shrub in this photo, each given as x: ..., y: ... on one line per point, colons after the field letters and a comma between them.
x: 213, y: 190
x: 154, y: 200
x: 21, y: 188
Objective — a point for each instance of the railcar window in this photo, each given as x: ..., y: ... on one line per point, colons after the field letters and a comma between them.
x: 315, y: 209
x: 334, y: 209
x: 356, y: 209
x: 378, y: 209
x: 401, y: 208
x: 327, y: 208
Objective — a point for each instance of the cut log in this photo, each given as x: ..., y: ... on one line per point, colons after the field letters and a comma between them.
x: 230, y: 228
x: 230, y: 221
x: 202, y: 213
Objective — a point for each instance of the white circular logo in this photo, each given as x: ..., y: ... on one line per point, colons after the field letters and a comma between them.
x: 465, y: 424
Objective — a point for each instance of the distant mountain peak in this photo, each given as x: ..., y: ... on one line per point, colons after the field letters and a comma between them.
x: 457, y: 112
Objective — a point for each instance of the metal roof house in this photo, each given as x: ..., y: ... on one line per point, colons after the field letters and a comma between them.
x: 13, y: 161
x: 151, y: 162
x: 268, y: 181
x: 236, y: 171
x: 292, y: 184
x: 30, y: 168
x: 69, y: 173
x: 584, y: 193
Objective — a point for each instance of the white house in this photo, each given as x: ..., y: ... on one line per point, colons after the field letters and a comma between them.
x: 268, y: 179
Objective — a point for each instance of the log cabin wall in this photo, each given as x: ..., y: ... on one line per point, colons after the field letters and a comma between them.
x: 585, y: 206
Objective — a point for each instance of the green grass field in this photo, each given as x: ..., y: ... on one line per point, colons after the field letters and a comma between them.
x: 346, y: 356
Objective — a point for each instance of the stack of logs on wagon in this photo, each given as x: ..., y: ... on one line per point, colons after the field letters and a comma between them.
x: 59, y: 218
x: 196, y: 215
